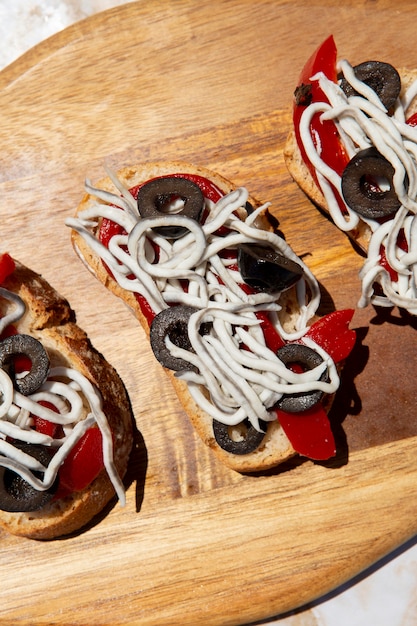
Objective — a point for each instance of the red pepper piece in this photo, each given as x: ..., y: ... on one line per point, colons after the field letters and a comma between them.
x: 412, y: 121
x: 273, y: 339
x: 7, y: 266
x: 333, y: 152
x: 383, y: 261
x: 322, y: 60
x: 309, y: 432
x: 332, y: 333
x: 109, y: 229
x: 83, y: 464
x: 229, y: 254
x: 46, y: 427
x: 145, y: 308
x: 20, y: 363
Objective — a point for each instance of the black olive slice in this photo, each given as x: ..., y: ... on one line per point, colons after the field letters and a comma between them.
x: 171, y: 322
x: 307, y: 358
x: 17, y: 495
x: 250, y: 439
x: 303, y: 95
x: 170, y: 195
x: 383, y: 78
x: 25, y: 345
x: 367, y: 185
x: 265, y: 269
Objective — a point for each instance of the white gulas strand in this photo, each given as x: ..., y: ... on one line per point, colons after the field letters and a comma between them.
x: 362, y: 121
x: 12, y: 316
x: 79, y: 407
x: 229, y: 383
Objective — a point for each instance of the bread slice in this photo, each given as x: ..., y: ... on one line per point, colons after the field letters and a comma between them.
x: 275, y: 447
x: 386, y: 293
x: 49, y: 318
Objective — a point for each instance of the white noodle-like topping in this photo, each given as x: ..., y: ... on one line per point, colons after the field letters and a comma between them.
x: 362, y: 121
x: 230, y: 383
x: 14, y: 315
x: 79, y: 407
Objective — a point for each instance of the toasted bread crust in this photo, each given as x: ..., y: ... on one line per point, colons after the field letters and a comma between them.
x: 276, y: 448
x: 50, y: 319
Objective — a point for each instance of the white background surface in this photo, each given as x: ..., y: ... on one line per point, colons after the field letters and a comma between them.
x: 387, y: 594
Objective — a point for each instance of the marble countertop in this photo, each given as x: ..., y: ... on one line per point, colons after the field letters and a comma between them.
x: 386, y: 594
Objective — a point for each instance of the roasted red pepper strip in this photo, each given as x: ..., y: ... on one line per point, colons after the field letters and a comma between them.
x: 7, y: 266
x: 309, y: 432
x: 20, y: 363
x: 412, y: 121
x: 273, y: 339
x: 332, y: 333
x: 82, y: 465
x: 46, y: 427
x: 145, y: 308
x: 393, y: 274
x: 332, y: 150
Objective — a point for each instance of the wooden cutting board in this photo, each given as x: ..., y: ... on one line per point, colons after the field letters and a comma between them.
x: 208, y: 83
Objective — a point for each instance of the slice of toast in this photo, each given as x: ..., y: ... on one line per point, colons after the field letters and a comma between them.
x: 50, y: 320
x: 295, y: 306
x: 382, y: 275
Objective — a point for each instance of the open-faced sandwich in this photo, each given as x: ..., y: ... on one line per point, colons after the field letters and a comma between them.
x: 229, y: 308
x: 65, y: 418
x: 353, y: 150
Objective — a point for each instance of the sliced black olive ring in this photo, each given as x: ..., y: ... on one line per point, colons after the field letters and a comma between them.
x: 16, y: 494
x: 263, y: 268
x: 308, y: 359
x: 250, y: 439
x: 171, y: 322
x: 170, y: 195
x: 25, y: 345
x: 367, y: 185
x: 383, y: 78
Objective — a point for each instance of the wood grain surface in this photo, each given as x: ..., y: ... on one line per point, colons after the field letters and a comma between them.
x: 212, y: 84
